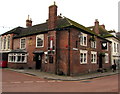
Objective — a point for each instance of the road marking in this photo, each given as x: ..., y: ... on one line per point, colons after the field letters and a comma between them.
x: 59, y: 81
x: 28, y: 82
x: 52, y: 81
x: 15, y: 82
x: 40, y: 81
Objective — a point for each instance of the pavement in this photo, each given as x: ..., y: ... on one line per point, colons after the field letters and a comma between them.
x: 51, y: 76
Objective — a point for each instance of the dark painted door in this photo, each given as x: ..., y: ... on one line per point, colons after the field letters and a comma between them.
x: 38, y: 61
x: 100, y: 61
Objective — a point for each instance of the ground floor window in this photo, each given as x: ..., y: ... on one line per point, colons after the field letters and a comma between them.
x: 17, y: 57
x: 93, y: 57
x: 106, y: 58
x: 83, y: 56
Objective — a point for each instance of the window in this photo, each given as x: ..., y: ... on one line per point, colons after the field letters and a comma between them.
x: 8, y: 42
x: 83, y: 56
x: 83, y: 39
x: 0, y: 43
x: 40, y: 40
x: 22, y: 43
x: 106, y: 58
x: 117, y: 47
x: 93, y: 44
x: 4, y: 46
x: 17, y: 57
x: 114, y: 47
x: 93, y: 57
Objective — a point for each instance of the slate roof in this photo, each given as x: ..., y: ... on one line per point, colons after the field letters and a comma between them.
x: 118, y: 35
x: 42, y: 28
x: 16, y: 30
x: 103, y: 32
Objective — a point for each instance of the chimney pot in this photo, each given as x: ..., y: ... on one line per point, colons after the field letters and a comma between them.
x: 28, y: 22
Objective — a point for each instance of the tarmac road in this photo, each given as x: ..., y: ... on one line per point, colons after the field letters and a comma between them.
x: 18, y: 82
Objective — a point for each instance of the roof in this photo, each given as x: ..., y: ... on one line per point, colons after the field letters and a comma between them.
x: 103, y: 32
x: 42, y: 28
x: 16, y: 30
x: 118, y: 35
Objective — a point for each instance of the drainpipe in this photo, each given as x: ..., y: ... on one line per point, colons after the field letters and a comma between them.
x: 56, y: 63
x: 68, y: 71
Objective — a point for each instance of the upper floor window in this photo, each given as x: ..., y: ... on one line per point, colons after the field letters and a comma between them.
x: 22, y: 43
x: 117, y: 47
x: 114, y: 47
x: 83, y: 39
x: 93, y: 57
x: 93, y: 44
x: 40, y: 40
x: 0, y: 43
x: 4, y: 46
x: 8, y: 42
x: 83, y: 56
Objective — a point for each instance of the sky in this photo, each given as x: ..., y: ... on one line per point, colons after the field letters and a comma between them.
x: 14, y: 12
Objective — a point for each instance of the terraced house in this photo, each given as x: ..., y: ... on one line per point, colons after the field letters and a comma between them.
x: 111, y: 36
x: 60, y: 46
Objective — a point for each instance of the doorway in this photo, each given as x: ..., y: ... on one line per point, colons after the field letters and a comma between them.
x: 38, y: 61
x: 100, y: 61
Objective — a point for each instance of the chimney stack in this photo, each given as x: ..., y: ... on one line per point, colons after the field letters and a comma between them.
x: 52, y: 16
x: 28, y: 22
x: 96, y: 29
x: 103, y: 26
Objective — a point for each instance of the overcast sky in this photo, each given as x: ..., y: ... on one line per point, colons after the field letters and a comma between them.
x: 14, y: 12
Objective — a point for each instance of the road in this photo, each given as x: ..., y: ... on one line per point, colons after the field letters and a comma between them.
x: 19, y: 82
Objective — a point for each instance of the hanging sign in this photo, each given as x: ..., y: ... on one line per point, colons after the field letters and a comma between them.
x: 104, y: 45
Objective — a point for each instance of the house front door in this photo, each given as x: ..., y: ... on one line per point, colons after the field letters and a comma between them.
x: 38, y: 61
x: 100, y: 61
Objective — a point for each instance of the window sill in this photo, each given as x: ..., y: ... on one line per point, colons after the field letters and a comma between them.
x: 93, y: 62
x: 83, y: 63
x: 83, y: 45
x: 40, y: 47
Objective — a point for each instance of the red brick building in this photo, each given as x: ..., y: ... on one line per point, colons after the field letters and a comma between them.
x: 59, y: 46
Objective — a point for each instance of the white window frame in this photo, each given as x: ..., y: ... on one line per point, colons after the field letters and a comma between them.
x: 0, y: 43
x: 106, y: 58
x: 114, y: 47
x: 93, y: 44
x: 93, y: 57
x: 4, y: 42
x: 82, y: 39
x: 118, y: 48
x: 84, y: 57
x: 41, y: 36
x: 8, y: 42
x: 21, y: 43
x: 15, y: 57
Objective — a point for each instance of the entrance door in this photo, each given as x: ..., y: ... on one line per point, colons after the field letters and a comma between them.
x: 38, y: 61
x: 100, y: 61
